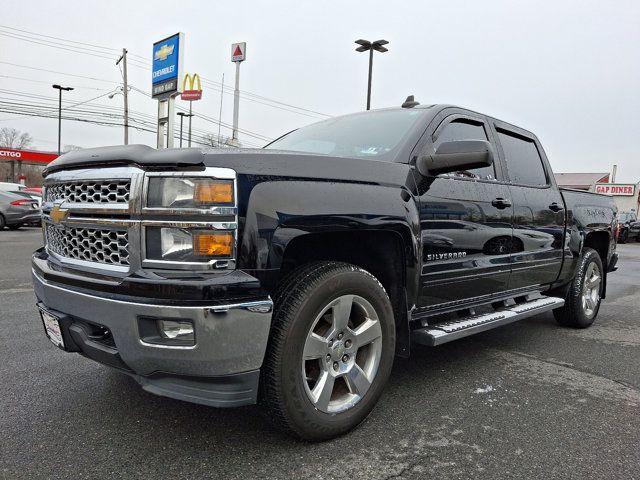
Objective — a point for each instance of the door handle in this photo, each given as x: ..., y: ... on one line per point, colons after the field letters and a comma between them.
x: 555, y: 207
x: 501, y: 203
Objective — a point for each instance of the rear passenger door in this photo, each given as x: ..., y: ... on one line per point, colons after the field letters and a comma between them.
x: 539, y: 215
x: 465, y: 229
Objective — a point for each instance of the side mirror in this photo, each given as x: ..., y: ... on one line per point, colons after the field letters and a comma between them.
x: 456, y: 156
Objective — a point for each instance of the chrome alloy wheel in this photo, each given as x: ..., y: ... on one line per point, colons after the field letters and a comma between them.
x: 591, y: 290
x: 341, y: 354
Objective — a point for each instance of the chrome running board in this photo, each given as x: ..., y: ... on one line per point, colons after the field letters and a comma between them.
x: 439, y: 333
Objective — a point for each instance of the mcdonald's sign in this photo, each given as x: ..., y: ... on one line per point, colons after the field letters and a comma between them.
x: 191, y: 93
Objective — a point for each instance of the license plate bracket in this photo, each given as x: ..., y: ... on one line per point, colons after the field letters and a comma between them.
x: 52, y: 328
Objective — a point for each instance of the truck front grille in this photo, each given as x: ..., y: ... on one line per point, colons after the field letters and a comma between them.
x: 109, y: 247
x: 99, y: 191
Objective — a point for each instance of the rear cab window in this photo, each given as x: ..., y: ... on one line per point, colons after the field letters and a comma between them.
x: 522, y: 158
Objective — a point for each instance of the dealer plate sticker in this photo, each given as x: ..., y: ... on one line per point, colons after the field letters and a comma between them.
x: 52, y: 328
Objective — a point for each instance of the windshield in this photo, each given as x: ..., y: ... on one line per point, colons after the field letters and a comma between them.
x: 370, y: 134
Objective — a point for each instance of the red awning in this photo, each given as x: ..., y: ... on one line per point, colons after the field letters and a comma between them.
x: 26, y: 155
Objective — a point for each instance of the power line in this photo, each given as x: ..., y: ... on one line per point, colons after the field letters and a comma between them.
x: 58, y: 38
x: 59, y: 73
x: 144, y: 63
x: 144, y: 122
x: 49, y: 83
x: 74, y: 50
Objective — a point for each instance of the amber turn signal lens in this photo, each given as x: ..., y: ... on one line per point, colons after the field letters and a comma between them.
x: 213, y: 192
x: 219, y: 244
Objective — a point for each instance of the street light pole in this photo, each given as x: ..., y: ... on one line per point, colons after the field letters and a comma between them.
x: 60, y: 89
x: 182, y: 115
x: 366, y: 45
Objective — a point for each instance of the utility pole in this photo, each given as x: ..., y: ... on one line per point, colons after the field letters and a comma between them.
x: 60, y: 89
x: 125, y: 93
x: 220, y: 116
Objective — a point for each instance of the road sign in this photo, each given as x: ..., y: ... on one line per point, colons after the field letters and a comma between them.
x: 190, y: 93
x: 617, y: 189
x: 166, y: 67
x: 238, y: 52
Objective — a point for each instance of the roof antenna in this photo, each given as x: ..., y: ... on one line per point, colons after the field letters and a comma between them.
x: 410, y: 102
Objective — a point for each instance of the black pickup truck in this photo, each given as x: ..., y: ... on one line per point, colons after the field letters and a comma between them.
x: 292, y: 275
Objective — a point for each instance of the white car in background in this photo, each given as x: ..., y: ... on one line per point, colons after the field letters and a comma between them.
x: 11, y: 187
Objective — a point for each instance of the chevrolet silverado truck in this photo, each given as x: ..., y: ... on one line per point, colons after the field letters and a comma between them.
x: 292, y: 275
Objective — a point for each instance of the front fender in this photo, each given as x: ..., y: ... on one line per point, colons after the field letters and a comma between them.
x: 279, y: 211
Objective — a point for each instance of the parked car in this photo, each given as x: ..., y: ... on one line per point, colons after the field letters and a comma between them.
x: 295, y: 273
x: 31, y: 195
x: 16, y: 210
x: 11, y: 187
x: 628, y: 227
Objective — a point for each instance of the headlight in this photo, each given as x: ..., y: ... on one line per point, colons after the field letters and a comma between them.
x: 188, y: 192
x: 188, y: 245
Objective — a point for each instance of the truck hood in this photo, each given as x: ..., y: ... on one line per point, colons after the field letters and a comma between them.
x: 248, y: 161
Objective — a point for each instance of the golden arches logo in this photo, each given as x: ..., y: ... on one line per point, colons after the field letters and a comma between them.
x: 192, y: 79
x: 190, y: 93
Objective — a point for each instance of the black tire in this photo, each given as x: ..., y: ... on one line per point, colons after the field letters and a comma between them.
x: 15, y: 226
x: 574, y: 313
x: 3, y: 222
x: 624, y: 236
x: 303, y: 295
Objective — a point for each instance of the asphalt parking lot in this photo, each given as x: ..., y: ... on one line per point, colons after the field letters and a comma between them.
x: 530, y: 400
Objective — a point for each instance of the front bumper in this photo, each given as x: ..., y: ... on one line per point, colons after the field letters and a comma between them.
x: 221, y: 369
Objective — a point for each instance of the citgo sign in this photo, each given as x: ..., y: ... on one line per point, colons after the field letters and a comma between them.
x: 623, y: 190
x: 26, y: 155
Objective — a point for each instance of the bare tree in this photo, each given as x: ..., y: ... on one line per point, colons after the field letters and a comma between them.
x: 213, y: 140
x: 70, y: 148
x: 12, y: 138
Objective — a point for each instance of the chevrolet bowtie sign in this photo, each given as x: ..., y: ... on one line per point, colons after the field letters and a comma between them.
x: 166, y: 70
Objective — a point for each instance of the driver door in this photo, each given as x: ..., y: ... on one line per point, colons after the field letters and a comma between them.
x: 465, y: 220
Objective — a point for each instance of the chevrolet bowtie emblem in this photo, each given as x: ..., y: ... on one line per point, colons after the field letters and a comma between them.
x: 163, y: 52
x: 58, y: 214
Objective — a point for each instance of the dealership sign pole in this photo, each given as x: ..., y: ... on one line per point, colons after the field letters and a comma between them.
x: 191, y: 94
x: 238, y: 55
x: 166, y: 73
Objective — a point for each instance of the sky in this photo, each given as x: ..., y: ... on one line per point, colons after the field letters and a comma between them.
x: 567, y: 70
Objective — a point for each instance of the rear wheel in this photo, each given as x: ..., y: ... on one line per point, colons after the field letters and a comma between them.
x: 330, y: 351
x: 584, y: 296
x: 15, y: 227
x: 3, y: 222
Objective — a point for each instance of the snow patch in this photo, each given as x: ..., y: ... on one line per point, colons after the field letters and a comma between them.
x: 486, y: 389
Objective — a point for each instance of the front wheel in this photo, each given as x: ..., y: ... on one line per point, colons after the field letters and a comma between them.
x: 583, y: 299
x: 330, y: 351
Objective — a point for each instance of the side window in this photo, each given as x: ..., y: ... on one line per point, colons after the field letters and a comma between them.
x: 523, y: 159
x: 463, y: 129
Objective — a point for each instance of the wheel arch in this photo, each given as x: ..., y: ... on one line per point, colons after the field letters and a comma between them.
x: 383, y: 253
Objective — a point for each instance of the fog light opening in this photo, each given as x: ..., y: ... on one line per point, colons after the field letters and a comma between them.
x: 178, y: 330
